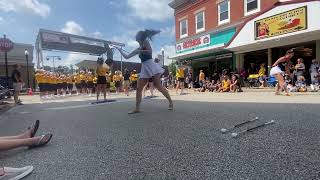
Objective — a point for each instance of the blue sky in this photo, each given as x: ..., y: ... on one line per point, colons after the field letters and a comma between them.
x: 116, y: 20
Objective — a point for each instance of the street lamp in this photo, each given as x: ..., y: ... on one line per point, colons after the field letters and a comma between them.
x: 53, y: 59
x: 26, y: 53
x: 162, y: 51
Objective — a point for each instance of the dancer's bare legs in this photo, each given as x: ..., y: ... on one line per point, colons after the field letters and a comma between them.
x: 141, y: 84
x: 164, y: 91
x: 98, y: 91
x: 281, y: 84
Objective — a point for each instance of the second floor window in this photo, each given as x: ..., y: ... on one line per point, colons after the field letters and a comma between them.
x: 224, y: 12
x: 200, y: 21
x: 251, y: 6
x: 183, y: 28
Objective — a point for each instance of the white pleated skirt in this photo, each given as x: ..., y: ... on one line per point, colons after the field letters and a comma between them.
x: 275, y: 70
x: 149, y: 68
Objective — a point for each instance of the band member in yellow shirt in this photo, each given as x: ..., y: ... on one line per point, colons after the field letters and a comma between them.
x: 180, y: 75
x: 77, y: 81
x: 70, y: 84
x: 102, y: 81
x: 90, y: 83
x: 134, y: 79
x: 40, y: 80
x: 83, y: 83
x: 117, y: 79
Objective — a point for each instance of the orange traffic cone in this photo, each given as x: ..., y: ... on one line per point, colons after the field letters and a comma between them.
x: 30, y: 93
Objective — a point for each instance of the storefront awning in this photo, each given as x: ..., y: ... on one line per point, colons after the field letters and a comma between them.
x: 188, y: 55
x: 285, y: 24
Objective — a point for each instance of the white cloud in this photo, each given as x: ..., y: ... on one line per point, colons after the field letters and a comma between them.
x: 72, y: 27
x: 168, y: 31
x: 28, y: 6
x: 73, y: 58
x: 97, y: 34
x: 157, y: 10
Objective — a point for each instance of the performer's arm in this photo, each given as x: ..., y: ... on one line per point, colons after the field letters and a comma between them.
x: 280, y: 60
x: 128, y: 56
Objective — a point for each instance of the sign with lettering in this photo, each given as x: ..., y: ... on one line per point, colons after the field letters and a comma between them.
x: 6, y: 45
x: 193, y: 43
x: 283, y: 23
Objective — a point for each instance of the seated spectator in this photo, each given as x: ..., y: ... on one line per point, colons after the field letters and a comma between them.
x: 235, y: 84
x: 262, y: 75
x: 225, y: 85
x: 301, y: 84
x: 26, y: 139
x: 212, y: 86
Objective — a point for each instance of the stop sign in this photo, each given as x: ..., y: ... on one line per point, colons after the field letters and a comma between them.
x: 5, y: 45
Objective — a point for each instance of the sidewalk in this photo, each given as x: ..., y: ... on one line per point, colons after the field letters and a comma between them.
x: 249, y: 95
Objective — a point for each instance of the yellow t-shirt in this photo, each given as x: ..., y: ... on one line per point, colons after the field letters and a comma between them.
x: 40, y: 78
x: 180, y: 73
x: 262, y: 71
x: 101, y: 71
x: 201, y: 76
x: 226, y: 84
x: 95, y: 79
x: 77, y: 79
x: 134, y: 77
x: 117, y: 78
x: 69, y: 80
x: 89, y: 77
x: 82, y: 77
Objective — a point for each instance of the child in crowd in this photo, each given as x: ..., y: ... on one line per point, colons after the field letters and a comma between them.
x: 301, y: 85
x: 235, y: 84
x: 225, y: 84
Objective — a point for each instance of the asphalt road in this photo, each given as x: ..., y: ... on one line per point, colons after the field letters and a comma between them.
x: 104, y: 142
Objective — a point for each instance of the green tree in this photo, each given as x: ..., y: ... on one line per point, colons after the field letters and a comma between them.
x: 172, y: 67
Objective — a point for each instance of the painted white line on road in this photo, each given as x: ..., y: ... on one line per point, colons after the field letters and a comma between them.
x: 87, y: 105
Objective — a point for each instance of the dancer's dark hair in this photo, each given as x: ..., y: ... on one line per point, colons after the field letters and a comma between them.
x: 146, y: 35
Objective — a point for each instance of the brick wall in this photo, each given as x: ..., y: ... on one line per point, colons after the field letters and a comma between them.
x: 211, y: 14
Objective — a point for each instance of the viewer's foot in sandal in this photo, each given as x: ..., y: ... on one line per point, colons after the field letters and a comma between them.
x: 42, y: 141
x: 32, y: 130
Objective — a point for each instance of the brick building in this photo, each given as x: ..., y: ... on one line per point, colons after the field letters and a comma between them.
x: 17, y: 56
x: 217, y: 34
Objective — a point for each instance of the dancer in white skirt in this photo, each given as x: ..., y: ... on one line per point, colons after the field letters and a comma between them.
x: 278, y: 70
x: 149, y: 68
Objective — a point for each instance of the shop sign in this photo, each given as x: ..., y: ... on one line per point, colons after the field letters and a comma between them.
x: 54, y: 38
x: 283, y: 23
x: 193, y: 43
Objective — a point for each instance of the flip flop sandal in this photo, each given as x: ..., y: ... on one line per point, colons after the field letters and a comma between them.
x: 40, y: 143
x: 34, y: 128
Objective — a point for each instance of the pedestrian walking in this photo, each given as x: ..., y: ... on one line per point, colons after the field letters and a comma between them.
x: 17, y: 83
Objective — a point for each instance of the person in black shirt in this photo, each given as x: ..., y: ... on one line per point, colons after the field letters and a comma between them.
x: 17, y: 83
x: 126, y: 81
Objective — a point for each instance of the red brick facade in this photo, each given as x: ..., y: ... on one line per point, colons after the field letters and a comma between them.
x: 211, y: 14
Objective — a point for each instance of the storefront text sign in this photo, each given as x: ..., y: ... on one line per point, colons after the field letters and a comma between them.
x: 284, y: 23
x: 193, y: 43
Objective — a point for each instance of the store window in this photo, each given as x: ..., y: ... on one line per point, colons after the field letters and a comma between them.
x: 251, y: 7
x: 183, y: 28
x: 200, y: 22
x: 224, y: 12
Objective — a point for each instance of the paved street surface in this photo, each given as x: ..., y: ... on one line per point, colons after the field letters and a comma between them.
x: 104, y: 142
